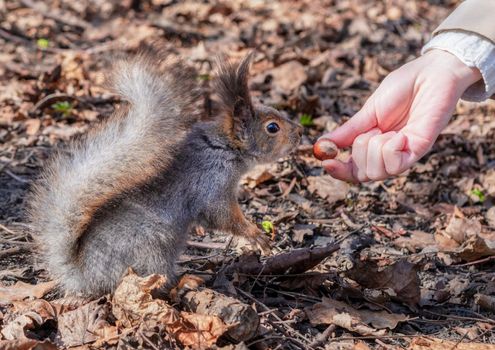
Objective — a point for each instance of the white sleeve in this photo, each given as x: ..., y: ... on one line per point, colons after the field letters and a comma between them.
x: 474, y: 51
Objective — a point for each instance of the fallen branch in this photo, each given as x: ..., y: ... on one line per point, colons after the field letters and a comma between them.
x: 295, y: 261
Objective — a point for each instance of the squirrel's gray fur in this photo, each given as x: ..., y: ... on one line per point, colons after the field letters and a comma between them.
x: 127, y: 193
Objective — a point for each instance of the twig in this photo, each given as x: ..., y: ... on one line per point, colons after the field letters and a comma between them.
x: 15, y: 177
x: 373, y: 337
x: 6, y: 229
x: 289, y: 328
x: 322, y: 337
x: 475, y: 262
x: 202, y: 245
x: 55, y: 14
x: 12, y: 251
x: 462, y: 318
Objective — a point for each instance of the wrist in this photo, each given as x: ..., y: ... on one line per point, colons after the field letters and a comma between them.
x: 462, y: 75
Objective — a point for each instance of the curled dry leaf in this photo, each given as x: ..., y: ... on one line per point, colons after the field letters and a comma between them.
x: 21, y: 290
x: 133, y: 302
x: 401, y: 277
x: 331, y: 311
x: 26, y: 344
x: 464, y: 238
x: 30, y: 318
x: 430, y: 343
x: 241, y: 319
x: 328, y: 188
x: 86, y: 324
x: 258, y: 175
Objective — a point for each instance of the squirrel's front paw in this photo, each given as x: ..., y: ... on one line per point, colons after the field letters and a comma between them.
x: 260, y: 240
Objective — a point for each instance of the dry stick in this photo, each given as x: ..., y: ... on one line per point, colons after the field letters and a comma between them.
x: 480, y: 261
x: 202, y: 245
x: 459, y: 341
x: 15, y: 177
x: 6, y: 229
x: 373, y: 337
x: 463, y: 318
x: 12, y: 251
x: 322, y: 337
x: 55, y: 14
x: 289, y: 328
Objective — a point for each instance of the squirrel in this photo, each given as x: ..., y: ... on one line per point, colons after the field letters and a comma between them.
x: 127, y: 193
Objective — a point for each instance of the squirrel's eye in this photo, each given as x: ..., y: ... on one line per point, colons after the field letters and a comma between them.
x: 272, y: 128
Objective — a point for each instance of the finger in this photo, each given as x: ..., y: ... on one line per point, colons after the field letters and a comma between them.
x: 362, y: 122
x: 340, y: 170
x: 375, y: 163
x: 395, y: 154
x: 360, y: 154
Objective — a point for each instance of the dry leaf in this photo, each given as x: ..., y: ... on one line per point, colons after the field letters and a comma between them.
x: 133, y: 302
x: 86, y: 324
x: 401, y: 277
x: 335, y: 312
x: 328, y: 188
x: 259, y: 174
x: 288, y: 76
x: 26, y: 344
x: 241, y: 319
x: 21, y: 290
x: 428, y: 343
x: 31, y: 317
x: 32, y: 126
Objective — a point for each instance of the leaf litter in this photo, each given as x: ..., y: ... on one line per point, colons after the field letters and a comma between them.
x: 407, y: 262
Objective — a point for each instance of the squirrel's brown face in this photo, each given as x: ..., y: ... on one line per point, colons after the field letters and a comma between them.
x: 260, y: 131
x: 273, y: 135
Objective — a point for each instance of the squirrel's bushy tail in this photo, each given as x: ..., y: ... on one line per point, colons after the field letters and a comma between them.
x: 127, y: 150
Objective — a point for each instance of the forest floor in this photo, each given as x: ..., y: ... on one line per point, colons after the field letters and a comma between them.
x: 406, y: 263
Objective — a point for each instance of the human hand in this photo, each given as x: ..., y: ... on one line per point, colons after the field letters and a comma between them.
x: 402, y: 119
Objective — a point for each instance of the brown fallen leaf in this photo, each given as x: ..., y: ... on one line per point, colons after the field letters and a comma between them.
x: 328, y: 188
x: 29, y: 317
x: 475, y: 248
x: 26, y: 344
x: 331, y: 311
x: 428, y: 343
x: 86, y: 324
x: 258, y: 175
x: 241, y: 319
x: 32, y: 126
x: 21, y: 290
x: 288, y: 76
x: 458, y: 230
x: 416, y: 241
x: 401, y: 277
x: 133, y: 302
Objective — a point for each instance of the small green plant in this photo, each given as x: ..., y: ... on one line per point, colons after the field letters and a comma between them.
x: 306, y: 120
x: 267, y: 226
x: 64, y: 107
x: 203, y: 77
x: 42, y: 43
x: 478, y: 193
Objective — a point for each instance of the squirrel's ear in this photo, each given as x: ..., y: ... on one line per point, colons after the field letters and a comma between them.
x: 231, y: 85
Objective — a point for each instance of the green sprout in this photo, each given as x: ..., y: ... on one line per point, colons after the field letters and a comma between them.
x: 203, y: 77
x: 267, y: 226
x: 42, y: 43
x: 64, y: 107
x: 478, y: 193
x: 306, y: 120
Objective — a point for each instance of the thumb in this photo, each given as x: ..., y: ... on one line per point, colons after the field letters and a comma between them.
x: 362, y: 122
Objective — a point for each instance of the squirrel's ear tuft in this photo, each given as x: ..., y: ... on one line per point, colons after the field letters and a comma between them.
x: 231, y: 84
